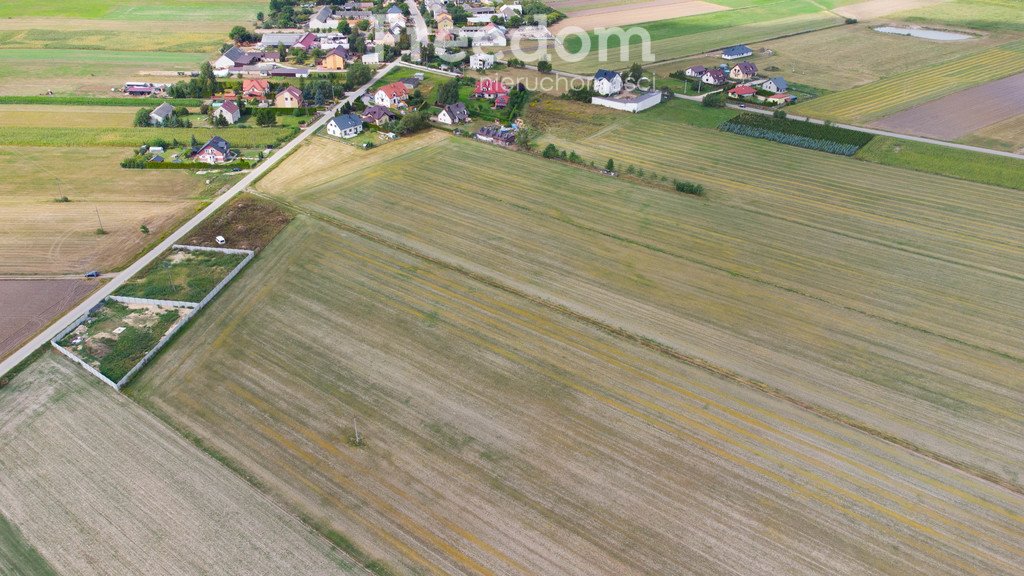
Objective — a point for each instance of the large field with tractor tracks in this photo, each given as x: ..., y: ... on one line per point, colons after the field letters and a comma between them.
x: 516, y: 344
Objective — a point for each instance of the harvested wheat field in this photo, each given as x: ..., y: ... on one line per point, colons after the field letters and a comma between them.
x: 1007, y: 134
x: 98, y: 486
x: 502, y: 436
x: 43, y: 236
x: 962, y: 113
x: 27, y: 306
x: 871, y: 9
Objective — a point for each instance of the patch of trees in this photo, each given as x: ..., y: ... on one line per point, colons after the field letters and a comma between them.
x: 688, y: 187
x: 264, y: 117
x: 202, y: 86
x: 537, y: 7
x: 553, y: 153
x: 242, y: 36
x: 582, y: 94
x: 412, y: 122
x: 448, y: 92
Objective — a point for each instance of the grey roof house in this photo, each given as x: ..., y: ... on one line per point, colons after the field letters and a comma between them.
x: 161, y: 113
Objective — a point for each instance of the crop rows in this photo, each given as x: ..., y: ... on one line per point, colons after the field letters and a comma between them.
x: 500, y: 436
x: 884, y: 97
x: 801, y: 134
x: 132, y: 137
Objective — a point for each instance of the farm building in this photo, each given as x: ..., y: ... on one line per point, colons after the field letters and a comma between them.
x: 497, y: 135
x: 743, y: 71
x: 161, y: 114
x: 274, y: 39
x: 607, y: 82
x: 216, y: 151
x: 371, y: 58
x: 630, y: 102
x: 378, y: 115
x: 335, y: 59
x: 776, y: 85
x: 509, y: 10
x: 229, y: 111
x: 235, y: 56
x: 695, y: 71
x: 481, y: 61
x: 714, y: 77
x: 742, y: 91
x: 290, y: 97
x: 489, y: 35
x: 345, y: 126
x: 734, y: 52
x: 394, y: 16
x: 454, y: 114
x: 306, y: 42
x: 323, y: 19
x: 391, y: 95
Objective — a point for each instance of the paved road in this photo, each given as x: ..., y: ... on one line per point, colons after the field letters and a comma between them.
x: 422, y: 32
x: 51, y: 331
x: 894, y: 134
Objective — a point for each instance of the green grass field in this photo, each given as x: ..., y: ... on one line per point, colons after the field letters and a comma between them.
x: 17, y: 556
x: 963, y: 164
x: 890, y: 95
x: 132, y: 137
x: 681, y: 37
x: 174, y: 10
x: 181, y: 276
x: 992, y: 15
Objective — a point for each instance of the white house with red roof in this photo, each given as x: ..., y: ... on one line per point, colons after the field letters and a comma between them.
x: 290, y: 97
x: 490, y: 88
x: 391, y: 95
x: 229, y: 111
x: 216, y: 151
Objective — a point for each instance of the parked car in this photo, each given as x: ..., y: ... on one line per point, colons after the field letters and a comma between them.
x: 92, y: 274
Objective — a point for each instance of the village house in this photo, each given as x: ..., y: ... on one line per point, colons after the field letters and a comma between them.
x: 743, y: 71
x: 371, y: 58
x: 378, y: 115
x: 394, y: 16
x: 229, y: 111
x: 714, y: 77
x: 235, y: 56
x: 161, y: 114
x: 497, y: 135
x: 412, y: 82
x: 335, y: 59
x: 489, y: 35
x: 345, y: 126
x: 257, y: 88
x: 391, y: 95
x: 216, y: 151
x: 742, y: 91
x: 323, y: 19
x: 781, y: 98
x: 607, y: 82
x: 481, y: 61
x: 695, y: 71
x: 290, y: 97
x: 307, y: 42
x: 454, y: 114
x: 387, y: 38
x: 272, y: 40
x: 777, y: 84
x: 444, y: 21
x: 507, y: 11
x: 735, y: 52
x: 490, y: 89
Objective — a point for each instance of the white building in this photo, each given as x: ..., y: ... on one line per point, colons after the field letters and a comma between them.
x: 323, y: 19
x: 345, y: 126
x: 607, y: 82
x: 630, y: 104
x: 161, y: 114
x: 229, y: 111
x: 481, y: 61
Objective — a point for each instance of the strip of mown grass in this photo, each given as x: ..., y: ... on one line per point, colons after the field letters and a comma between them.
x: 88, y: 101
x: 130, y: 137
x: 18, y: 556
x: 182, y: 277
x: 933, y: 159
x: 831, y: 139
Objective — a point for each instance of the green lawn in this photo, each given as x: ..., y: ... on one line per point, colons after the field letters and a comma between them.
x: 962, y: 164
x: 181, y: 276
x: 989, y: 15
x: 132, y: 137
x: 171, y: 10
x: 17, y: 556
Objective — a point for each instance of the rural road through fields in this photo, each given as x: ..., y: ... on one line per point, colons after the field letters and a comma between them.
x: 885, y: 133
x: 53, y: 329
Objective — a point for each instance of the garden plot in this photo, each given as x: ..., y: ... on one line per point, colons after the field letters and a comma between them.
x: 182, y: 275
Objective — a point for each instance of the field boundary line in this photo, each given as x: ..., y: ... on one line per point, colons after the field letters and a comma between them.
x: 665, y: 349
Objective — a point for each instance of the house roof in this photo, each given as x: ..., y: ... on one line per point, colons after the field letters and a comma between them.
x: 715, y: 73
x: 255, y: 84
x: 378, y: 112
x: 740, y: 50
x: 603, y: 74
x: 413, y: 82
x: 489, y: 86
x: 217, y: 143
x: 339, y: 51
x: 743, y: 90
x: 229, y: 106
x: 287, y: 38
x: 782, y: 96
x: 780, y: 84
x: 164, y: 110
x: 394, y: 9
x: 346, y: 121
x: 323, y: 15
x: 394, y: 90
x: 748, y: 68
x: 295, y: 92
x: 457, y: 111
x: 697, y: 69
x: 307, y: 41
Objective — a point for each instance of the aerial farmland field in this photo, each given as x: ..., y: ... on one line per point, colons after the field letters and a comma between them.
x: 30, y: 305
x: 879, y: 99
x: 96, y: 485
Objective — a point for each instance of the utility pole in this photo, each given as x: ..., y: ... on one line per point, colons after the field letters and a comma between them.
x: 98, y: 217
x: 358, y: 437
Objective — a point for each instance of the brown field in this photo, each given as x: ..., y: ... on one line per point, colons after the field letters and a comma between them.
x: 247, y: 223
x: 635, y: 13
x: 47, y: 116
x: 961, y: 113
x: 877, y: 8
x: 99, y: 486
x: 41, y: 236
x: 29, y: 305
x: 1005, y: 135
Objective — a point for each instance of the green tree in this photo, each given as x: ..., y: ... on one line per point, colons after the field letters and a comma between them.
x: 544, y: 66
x: 264, y: 117
x: 610, y: 165
x: 142, y: 117
x: 715, y: 100
x: 635, y: 72
x: 259, y: 16
x: 412, y: 122
x: 525, y: 137
x: 448, y: 92
x: 550, y: 151
x: 281, y: 52
x: 358, y: 74
x: 363, y: 25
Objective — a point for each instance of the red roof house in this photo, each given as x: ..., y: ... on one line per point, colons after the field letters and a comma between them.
x: 306, y: 42
x: 490, y: 89
x: 255, y: 88
x: 742, y: 91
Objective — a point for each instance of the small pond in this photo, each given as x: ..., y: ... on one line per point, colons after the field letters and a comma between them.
x: 924, y: 33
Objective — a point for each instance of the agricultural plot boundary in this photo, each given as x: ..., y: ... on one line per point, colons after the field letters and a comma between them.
x: 194, y: 308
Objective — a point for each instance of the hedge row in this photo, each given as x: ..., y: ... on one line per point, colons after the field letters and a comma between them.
x: 243, y: 164
x: 140, y: 102
x: 762, y: 122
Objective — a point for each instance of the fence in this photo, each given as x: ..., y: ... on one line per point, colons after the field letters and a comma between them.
x: 194, y: 307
